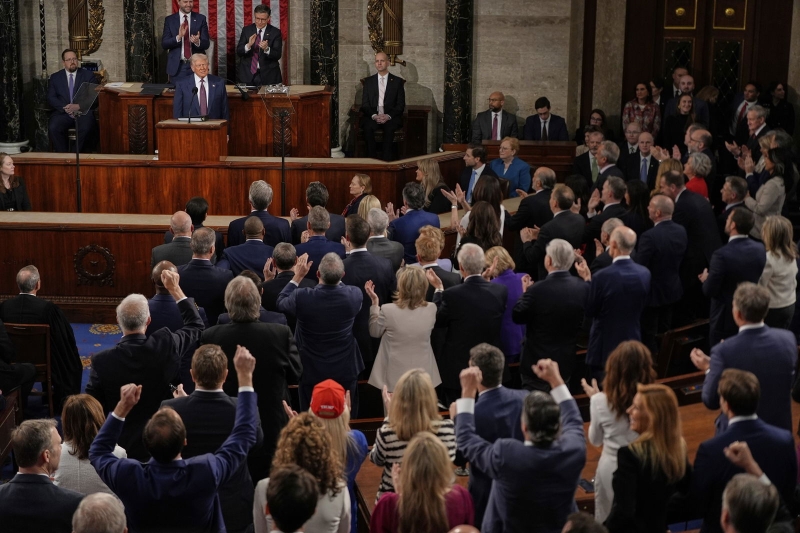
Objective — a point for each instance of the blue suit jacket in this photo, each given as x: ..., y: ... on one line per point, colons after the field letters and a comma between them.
x: 251, y: 255
x: 518, y: 175
x: 267, y: 317
x: 185, y: 102
x: 316, y: 247
x: 617, y: 297
x: 58, y: 89
x: 206, y: 284
x: 534, y: 488
x: 169, y: 38
x: 25, y: 496
x: 770, y: 354
x: 556, y: 129
x: 165, y: 313
x: 661, y: 251
x: 334, y: 233
x: 405, y: 230
x: 276, y: 229
x: 739, y: 260
x: 773, y: 450
x: 180, y: 494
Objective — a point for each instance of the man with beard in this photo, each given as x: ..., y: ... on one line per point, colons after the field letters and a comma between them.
x: 61, y: 90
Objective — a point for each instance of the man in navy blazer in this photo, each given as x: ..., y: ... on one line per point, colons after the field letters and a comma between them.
x: 405, y: 229
x: 383, y: 103
x: 769, y: 353
x: 168, y: 492
x: 318, y: 246
x: 475, y: 165
x: 264, y: 40
x: 553, y: 454
x: 203, y: 281
x: 316, y: 195
x: 181, y: 42
x: 211, y: 99
x: 164, y: 310
x: 612, y: 195
x: 276, y: 229
x: 742, y: 259
x: 279, y: 271
x: 60, y: 96
x: 179, y: 250
x: 378, y: 244
x: 545, y: 126
x: 772, y: 448
x: 252, y: 254
x: 617, y: 297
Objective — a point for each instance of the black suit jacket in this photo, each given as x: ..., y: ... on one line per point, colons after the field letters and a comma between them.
x: 601, y: 261
x: 269, y: 63
x: 482, y: 126
x: 613, y: 170
x: 30, y: 503
x: 394, y: 99
x: 592, y: 230
x: 694, y: 213
x: 19, y: 198
x: 206, y: 284
x: 466, y: 175
x: 219, y: 244
x: 534, y: 210
x: 276, y: 229
x: 568, y: 226
x: 178, y: 252
x: 722, y: 218
x: 633, y: 167
x: 661, y: 250
x: 556, y: 129
x: 271, y: 290
x: 388, y: 249
x: 583, y: 166
x: 334, y: 233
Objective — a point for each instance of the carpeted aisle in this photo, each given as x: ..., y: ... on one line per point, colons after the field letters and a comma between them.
x: 93, y: 338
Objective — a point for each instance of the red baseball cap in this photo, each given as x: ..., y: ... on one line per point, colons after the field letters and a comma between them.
x: 327, y: 400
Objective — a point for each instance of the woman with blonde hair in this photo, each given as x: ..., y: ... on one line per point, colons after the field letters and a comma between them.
x: 412, y: 409
x: 502, y: 273
x: 360, y: 186
x: 404, y: 328
x: 665, y: 165
x: 510, y: 167
x: 430, y: 176
x: 628, y: 365
x: 82, y: 417
x: 780, y: 271
x: 426, y: 500
x: 368, y: 202
x: 305, y: 442
x: 653, y: 467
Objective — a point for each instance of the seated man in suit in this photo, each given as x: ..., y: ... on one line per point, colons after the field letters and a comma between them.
x: 644, y: 166
x: 202, y: 94
x: 276, y: 229
x: 169, y: 492
x: 278, y: 271
x: 197, y: 209
x: 586, y: 164
x: 185, y: 34
x: 612, y: 195
x: 29, y: 308
x: 405, y: 229
x: 30, y: 501
x: 602, y: 258
x: 153, y: 361
x: 317, y: 244
x: 203, y: 281
x: 475, y: 161
x: 260, y: 46
x: 252, y: 254
x: 732, y: 193
x: 14, y: 375
x: 741, y: 259
x: 267, y: 317
x: 378, y: 243
x: 61, y: 90
x: 772, y: 448
x: 495, y: 123
x: 164, y: 311
x: 769, y: 353
x: 382, y: 105
x: 545, y: 126
x: 552, y: 309
x: 179, y: 250
x: 99, y: 513
x: 316, y: 195
x: 554, y: 452
x: 617, y: 297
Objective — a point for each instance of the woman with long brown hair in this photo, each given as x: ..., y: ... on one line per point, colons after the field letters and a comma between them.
x: 426, y: 500
x: 13, y: 193
x: 628, y: 365
x: 430, y: 176
x: 482, y: 229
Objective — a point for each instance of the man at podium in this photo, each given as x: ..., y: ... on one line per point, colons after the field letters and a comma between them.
x: 201, y: 94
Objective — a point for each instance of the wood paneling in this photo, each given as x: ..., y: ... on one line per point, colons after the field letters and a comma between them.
x: 196, y: 141
x: 557, y: 155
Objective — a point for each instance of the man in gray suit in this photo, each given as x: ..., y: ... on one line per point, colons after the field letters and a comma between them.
x: 494, y: 124
x: 179, y: 251
x: 378, y: 244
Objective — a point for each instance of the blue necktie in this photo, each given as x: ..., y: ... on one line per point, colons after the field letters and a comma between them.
x: 643, y: 172
x: 71, y: 87
x: 471, y: 186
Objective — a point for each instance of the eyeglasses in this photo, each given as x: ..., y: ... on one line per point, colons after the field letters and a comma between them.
x: 504, y: 149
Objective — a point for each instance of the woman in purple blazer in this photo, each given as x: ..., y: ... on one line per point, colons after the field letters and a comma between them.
x: 511, y: 334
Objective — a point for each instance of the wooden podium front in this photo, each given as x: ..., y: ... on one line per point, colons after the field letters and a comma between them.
x: 196, y: 141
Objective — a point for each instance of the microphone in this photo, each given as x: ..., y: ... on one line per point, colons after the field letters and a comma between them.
x: 239, y: 88
x: 194, y: 95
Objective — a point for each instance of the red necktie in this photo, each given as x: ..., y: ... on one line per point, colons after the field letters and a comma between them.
x: 254, y: 61
x: 187, y: 43
x: 203, y: 102
x: 742, y: 113
x: 494, y: 127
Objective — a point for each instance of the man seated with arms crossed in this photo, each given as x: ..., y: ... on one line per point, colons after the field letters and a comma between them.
x: 169, y: 493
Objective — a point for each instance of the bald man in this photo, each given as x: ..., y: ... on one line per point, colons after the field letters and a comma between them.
x: 642, y: 166
x: 495, y: 123
x: 382, y: 105
x: 179, y: 251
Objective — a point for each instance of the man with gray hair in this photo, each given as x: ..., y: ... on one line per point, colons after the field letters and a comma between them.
x: 317, y: 244
x: 99, y: 513
x: 405, y: 229
x: 276, y: 229
x: 472, y: 312
x: 316, y: 195
x: 28, y: 308
x: 203, y: 281
x: 324, y: 333
x: 179, y: 250
x: 607, y: 157
x: 697, y: 165
x: 552, y: 309
x: 30, y: 501
x: 534, y: 209
x: 612, y: 195
x: 378, y: 244
x: 153, y: 361
x: 748, y: 505
x: 602, y: 258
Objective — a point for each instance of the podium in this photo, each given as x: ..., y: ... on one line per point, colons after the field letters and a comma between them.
x: 196, y: 141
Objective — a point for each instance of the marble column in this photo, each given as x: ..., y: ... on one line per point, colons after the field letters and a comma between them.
x: 10, y: 73
x: 325, y: 55
x: 139, y: 44
x: 458, y: 71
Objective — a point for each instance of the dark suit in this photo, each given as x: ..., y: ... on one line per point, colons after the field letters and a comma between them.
x: 449, y: 279
x: 699, y: 108
x: 264, y: 316
x: 276, y: 229
x: 60, y: 121
x: 182, y: 494
x: 770, y: 354
x: 617, y: 297
x: 219, y: 245
x: 269, y: 68
x: 318, y: 247
x: 187, y: 104
x: 206, y: 284
x: 625, y: 155
x: 661, y: 251
x: 209, y: 417
x: 165, y: 313
x: 466, y: 176
x: 722, y: 219
x: 633, y: 168
x: 272, y: 288
x: 556, y: 129
x: 534, y: 210
x: 552, y: 309
x: 152, y: 362
x: 482, y: 126
x: 394, y: 104
x: 582, y: 165
x: 740, y: 260
x: 30, y: 503
x: 773, y: 450
x: 593, y: 228
x: 600, y: 262
x: 565, y: 225
x: 174, y: 48
x: 251, y: 255
x: 613, y: 170
x: 19, y: 201
x: 178, y: 252
x: 388, y: 249
x: 473, y: 313
x: 334, y: 233
x: 405, y: 230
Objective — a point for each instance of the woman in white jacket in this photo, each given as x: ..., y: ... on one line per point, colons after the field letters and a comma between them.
x: 780, y: 271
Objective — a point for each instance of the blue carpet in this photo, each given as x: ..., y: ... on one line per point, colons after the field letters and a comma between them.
x: 93, y: 338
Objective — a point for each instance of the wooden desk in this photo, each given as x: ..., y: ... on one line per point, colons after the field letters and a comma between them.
x: 557, y: 155
x: 205, y: 141
x: 128, y: 121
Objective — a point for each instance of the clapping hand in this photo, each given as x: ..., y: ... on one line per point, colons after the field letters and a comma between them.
x: 529, y: 234
x: 527, y: 283
x: 369, y: 288
x: 302, y: 267
x: 583, y: 268
x: 490, y: 272
x: 521, y: 193
x: 598, y: 247
x: 594, y: 200
x: 592, y: 389
x: 703, y: 276
x: 270, y: 271
x: 294, y: 214
x: 433, y: 279
x: 676, y: 153
x: 387, y: 397
x: 195, y: 39
x: 391, y: 212
x: 700, y: 359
